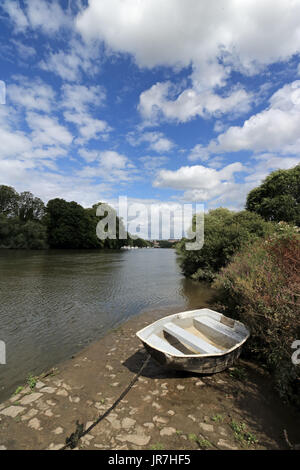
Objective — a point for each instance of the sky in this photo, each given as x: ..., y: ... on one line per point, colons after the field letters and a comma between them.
x: 165, y: 101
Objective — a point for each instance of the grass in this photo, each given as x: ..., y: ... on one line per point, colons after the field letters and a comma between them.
x: 18, y: 390
x: 238, y: 373
x: 242, y: 435
x: 202, y: 443
x: 157, y: 446
x: 31, y: 381
x: 218, y: 418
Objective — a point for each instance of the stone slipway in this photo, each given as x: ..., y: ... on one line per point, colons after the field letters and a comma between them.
x: 164, y: 410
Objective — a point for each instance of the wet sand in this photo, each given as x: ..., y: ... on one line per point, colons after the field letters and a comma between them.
x: 235, y: 409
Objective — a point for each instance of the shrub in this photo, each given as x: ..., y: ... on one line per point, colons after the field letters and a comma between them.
x: 261, y: 287
x: 225, y: 232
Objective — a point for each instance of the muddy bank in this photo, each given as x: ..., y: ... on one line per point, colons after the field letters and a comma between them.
x: 236, y: 409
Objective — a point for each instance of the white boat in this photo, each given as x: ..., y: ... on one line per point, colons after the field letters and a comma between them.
x: 201, y: 341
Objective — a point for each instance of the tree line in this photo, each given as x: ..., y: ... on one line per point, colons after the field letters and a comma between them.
x: 27, y: 223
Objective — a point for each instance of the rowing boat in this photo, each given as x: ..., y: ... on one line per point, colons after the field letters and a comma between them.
x: 202, y: 341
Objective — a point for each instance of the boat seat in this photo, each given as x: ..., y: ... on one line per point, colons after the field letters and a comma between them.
x: 159, y: 343
x: 198, y: 344
x: 214, y: 327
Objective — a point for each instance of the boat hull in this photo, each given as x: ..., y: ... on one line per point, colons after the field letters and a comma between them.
x: 201, y: 341
x: 200, y: 365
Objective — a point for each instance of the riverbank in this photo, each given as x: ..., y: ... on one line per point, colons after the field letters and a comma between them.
x: 235, y: 409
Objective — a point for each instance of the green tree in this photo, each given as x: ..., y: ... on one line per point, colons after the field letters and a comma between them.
x: 8, y: 200
x: 278, y: 197
x: 68, y: 224
x: 225, y: 232
x: 30, y: 207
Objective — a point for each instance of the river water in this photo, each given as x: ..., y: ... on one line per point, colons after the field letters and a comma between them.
x: 53, y: 303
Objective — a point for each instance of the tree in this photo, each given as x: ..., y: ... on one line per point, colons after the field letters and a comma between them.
x: 8, y: 201
x: 225, y: 232
x: 278, y: 197
x: 67, y: 224
x: 30, y: 207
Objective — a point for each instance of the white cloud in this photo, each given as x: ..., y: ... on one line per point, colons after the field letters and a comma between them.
x: 47, y: 130
x: 244, y: 34
x: 70, y: 63
x: 16, y: 14
x: 25, y: 52
x: 155, y: 102
x: 79, y: 97
x: 199, y: 182
x: 88, y: 127
x: 31, y: 94
x: 37, y: 14
x: 110, y: 165
x: 157, y: 141
x: 213, y: 37
x: 275, y: 129
x: 153, y: 163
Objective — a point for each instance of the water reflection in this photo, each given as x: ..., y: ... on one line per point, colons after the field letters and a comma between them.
x: 54, y: 303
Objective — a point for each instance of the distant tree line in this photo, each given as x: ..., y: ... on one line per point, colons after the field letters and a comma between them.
x: 27, y: 223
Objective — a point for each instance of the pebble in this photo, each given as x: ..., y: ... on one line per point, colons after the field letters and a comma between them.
x: 35, y: 424
x: 50, y: 402
x: 62, y: 393
x: 12, y: 411
x: 171, y: 413
x: 180, y: 387
x: 58, y: 430
x: 136, y: 439
x: 55, y: 446
x: 114, y: 422
x: 149, y: 425
x: 167, y: 431
x: 199, y: 383
x: 147, y: 398
x: 160, y: 420
x: 192, y: 418
x: 30, y: 398
x: 156, y: 405
x: 128, y: 423
x: 48, y: 390
x: 31, y: 413
x: 39, y: 385
x: 207, y: 427
x: 226, y: 445
x: 3, y: 448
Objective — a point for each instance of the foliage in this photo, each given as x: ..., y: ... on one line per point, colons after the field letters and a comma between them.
x: 225, y: 232
x: 242, y: 435
x: 69, y: 225
x: 8, y: 200
x: 16, y: 234
x: 261, y: 287
x: 278, y: 197
x: 139, y: 242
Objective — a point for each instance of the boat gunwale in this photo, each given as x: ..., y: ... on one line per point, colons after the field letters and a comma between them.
x: 222, y: 353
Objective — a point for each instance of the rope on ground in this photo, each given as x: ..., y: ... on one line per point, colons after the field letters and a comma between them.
x: 73, y: 440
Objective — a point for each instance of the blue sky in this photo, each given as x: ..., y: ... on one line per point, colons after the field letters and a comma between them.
x: 159, y: 100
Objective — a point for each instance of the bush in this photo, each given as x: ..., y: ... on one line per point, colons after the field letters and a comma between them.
x: 225, y: 232
x: 261, y: 287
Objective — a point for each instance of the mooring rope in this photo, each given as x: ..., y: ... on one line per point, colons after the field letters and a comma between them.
x: 73, y: 440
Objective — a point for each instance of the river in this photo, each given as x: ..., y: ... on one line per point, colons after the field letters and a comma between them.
x: 53, y: 303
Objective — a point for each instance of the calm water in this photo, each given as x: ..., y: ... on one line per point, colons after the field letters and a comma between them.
x: 53, y: 303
